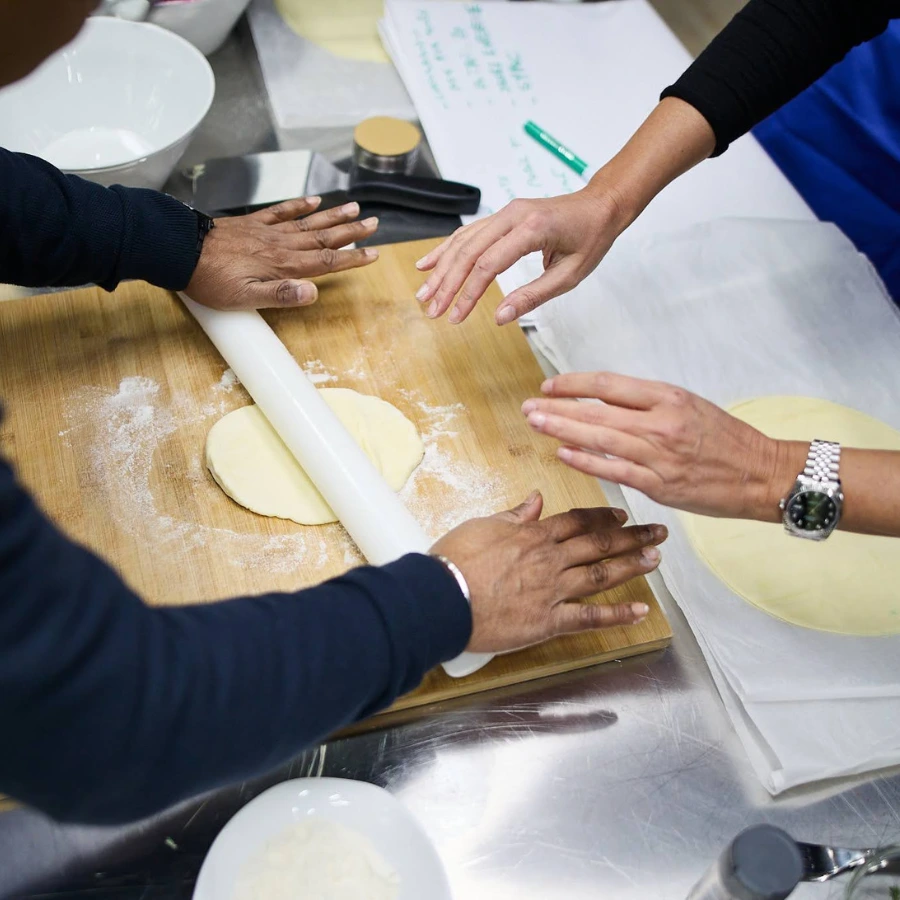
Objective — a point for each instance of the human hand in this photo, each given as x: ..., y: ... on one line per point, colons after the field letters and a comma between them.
x: 262, y: 260
x: 523, y: 573
x: 573, y: 232
x: 675, y: 447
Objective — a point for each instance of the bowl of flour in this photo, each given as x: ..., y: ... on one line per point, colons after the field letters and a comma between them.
x: 322, y: 839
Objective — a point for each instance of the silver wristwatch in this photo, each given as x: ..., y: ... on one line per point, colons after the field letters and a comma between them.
x: 813, y: 507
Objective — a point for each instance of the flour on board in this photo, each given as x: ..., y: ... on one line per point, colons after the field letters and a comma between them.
x: 227, y: 382
x: 125, y: 427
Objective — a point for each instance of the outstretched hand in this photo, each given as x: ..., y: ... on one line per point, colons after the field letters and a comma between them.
x: 264, y: 259
x: 525, y: 573
x: 573, y: 232
x: 675, y: 447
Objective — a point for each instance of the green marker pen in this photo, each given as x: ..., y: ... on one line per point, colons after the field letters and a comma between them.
x: 559, y: 150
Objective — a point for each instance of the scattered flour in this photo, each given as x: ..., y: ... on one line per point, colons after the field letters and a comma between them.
x: 127, y: 426
x: 317, y: 372
x: 227, y: 382
x: 466, y: 491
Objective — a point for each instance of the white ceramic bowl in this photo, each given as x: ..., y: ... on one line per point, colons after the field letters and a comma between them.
x: 117, y: 106
x: 370, y: 810
x: 205, y: 23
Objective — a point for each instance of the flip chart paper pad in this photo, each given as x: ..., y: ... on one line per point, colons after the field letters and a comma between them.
x: 847, y: 584
x: 346, y: 28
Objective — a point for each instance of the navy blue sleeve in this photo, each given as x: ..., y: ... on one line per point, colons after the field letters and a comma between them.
x: 770, y: 52
x: 112, y: 710
x: 58, y: 230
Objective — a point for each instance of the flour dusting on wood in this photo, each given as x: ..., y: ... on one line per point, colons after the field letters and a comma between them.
x: 125, y: 430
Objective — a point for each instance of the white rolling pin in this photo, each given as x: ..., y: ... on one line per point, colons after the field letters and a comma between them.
x: 382, y: 527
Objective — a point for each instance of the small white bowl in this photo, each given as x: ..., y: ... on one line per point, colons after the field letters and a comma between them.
x: 363, y: 807
x: 117, y: 106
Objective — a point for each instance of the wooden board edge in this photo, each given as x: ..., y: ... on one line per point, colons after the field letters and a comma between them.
x: 410, y: 701
x: 401, y: 715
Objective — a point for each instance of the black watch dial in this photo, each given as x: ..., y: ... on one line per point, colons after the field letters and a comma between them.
x: 812, y: 511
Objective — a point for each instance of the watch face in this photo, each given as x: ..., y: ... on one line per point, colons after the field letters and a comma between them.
x: 812, y: 511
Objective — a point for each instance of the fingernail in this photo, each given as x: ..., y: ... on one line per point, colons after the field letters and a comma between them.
x: 455, y: 316
x: 422, y: 293
x: 420, y: 264
x: 639, y: 610
x: 306, y: 294
x: 537, y: 420
x: 529, y: 406
x: 660, y: 532
x: 650, y: 555
x: 314, y: 201
x: 620, y: 515
x: 532, y: 497
x: 505, y: 315
x: 371, y: 253
x: 432, y: 310
x: 351, y: 209
x: 547, y: 386
x: 564, y: 453
x: 371, y: 222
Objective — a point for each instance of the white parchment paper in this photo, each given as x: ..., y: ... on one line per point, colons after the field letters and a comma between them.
x: 731, y: 310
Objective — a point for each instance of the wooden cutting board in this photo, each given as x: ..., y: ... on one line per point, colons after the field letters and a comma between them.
x: 109, y: 399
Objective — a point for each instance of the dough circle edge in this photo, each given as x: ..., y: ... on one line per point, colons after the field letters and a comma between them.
x: 842, y: 585
x: 346, y: 28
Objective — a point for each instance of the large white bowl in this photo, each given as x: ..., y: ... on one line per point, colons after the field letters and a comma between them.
x: 362, y: 807
x: 117, y: 106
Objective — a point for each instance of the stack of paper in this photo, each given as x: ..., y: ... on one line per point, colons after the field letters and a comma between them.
x: 758, y: 308
x: 588, y: 74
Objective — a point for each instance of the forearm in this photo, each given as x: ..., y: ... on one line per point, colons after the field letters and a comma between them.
x: 672, y: 140
x: 770, y: 52
x: 113, y: 710
x: 870, y: 480
x: 58, y: 230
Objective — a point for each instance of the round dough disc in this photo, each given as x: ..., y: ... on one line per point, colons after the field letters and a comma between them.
x: 346, y: 28
x: 846, y: 584
x: 250, y: 462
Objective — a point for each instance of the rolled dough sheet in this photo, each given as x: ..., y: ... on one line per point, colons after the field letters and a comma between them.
x: 848, y: 584
x: 346, y: 28
x: 250, y: 462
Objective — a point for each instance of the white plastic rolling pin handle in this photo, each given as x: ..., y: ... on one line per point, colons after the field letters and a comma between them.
x: 376, y: 519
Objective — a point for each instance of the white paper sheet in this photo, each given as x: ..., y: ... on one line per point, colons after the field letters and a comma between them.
x: 731, y: 310
x: 587, y: 73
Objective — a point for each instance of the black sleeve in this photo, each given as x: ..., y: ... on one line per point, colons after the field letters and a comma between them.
x: 771, y: 51
x: 112, y: 710
x: 58, y: 230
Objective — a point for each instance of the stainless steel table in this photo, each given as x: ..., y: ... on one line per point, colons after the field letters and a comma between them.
x: 620, y: 782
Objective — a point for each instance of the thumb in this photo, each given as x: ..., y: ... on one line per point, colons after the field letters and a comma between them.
x: 273, y: 294
x: 527, y: 511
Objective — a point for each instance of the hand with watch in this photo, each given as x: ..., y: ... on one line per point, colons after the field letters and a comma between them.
x: 814, y: 505
x: 265, y: 259
x: 682, y: 451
